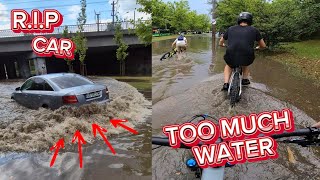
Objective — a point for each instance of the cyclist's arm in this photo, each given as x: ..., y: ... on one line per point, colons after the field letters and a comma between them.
x: 262, y: 44
x: 259, y: 39
x: 174, y: 43
x: 317, y: 125
x: 221, y: 42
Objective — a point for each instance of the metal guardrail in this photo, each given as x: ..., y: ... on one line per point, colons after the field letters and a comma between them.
x: 72, y: 29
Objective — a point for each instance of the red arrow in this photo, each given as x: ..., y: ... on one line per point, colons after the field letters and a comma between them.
x: 116, y: 122
x: 101, y: 130
x: 57, y: 147
x: 77, y: 135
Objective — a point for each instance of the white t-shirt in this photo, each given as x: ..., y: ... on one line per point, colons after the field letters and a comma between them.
x: 181, y: 42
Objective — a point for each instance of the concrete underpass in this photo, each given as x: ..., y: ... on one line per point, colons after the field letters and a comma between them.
x: 18, y: 61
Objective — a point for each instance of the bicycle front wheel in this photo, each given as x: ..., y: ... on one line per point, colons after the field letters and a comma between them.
x: 165, y: 56
x: 235, y: 89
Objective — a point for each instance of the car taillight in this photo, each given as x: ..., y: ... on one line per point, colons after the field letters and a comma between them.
x: 70, y: 99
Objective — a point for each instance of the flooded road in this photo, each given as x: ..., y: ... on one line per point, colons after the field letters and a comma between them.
x: 26, y: 136
x: 171, y: 77
x: 197, y: 90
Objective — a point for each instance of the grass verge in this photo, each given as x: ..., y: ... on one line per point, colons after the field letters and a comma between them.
x: 142, y: 83
x: 302, y: 57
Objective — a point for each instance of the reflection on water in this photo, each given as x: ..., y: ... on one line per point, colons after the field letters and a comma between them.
x: 173, y: 76
x: 192, y: 86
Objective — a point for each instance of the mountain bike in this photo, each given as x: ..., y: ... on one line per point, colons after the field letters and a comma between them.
x: 308, y: 137
x: 169, y: 54
x: 235, y: 84
x: 235, y: 87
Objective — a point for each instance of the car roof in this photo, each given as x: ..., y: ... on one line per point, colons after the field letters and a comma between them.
x: 49, y: 77
x: 54, y: 75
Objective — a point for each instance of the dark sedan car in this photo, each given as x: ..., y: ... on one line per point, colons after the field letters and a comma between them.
x: 55, y: 90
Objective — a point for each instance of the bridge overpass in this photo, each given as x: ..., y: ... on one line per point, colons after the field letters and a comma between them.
x: 17, y: 59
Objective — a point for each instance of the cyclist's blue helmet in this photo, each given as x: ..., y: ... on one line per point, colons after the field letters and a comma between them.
x: 181, y: 37
x: 245, y: 17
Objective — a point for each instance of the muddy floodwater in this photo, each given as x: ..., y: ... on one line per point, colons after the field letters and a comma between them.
x: 26, y: 136
x: 192, y: 85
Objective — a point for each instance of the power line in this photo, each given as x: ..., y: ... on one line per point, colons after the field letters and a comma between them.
x: 46, y: 7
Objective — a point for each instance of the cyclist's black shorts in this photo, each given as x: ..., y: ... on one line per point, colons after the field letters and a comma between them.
x: 234, y: 60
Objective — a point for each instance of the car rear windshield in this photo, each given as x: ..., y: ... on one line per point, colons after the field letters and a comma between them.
x: 65, y: 82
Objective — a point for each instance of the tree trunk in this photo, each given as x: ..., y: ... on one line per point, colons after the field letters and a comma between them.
x: 120, y: 67
x: 82, y: 69
x: 85, y: 69
x: 70, y: 67
x: 123, y: 68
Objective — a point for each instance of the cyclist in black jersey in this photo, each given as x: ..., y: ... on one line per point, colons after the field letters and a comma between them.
x: 240, y: 50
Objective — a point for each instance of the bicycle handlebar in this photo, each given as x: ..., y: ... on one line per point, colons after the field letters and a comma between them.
x: 310, y: 131
x: 299, y: 132
x: 164, y: 141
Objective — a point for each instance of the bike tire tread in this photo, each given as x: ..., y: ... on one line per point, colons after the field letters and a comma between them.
x: 234, y: 90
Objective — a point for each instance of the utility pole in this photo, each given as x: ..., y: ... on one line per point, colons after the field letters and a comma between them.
x: 112, y: 13
x: 214, y: 2
x: 98, y: 20
x: 134, y: 18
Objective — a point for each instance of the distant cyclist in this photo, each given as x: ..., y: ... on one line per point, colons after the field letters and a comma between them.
x: 180, y: 43
x: 240, y: 50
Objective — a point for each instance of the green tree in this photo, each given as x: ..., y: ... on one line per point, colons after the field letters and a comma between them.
x: 143, y: 28
x: 65, y: 34
x: 175, y: 16
x: 204, y: 22
x: 147, y: 5
x: 79, y: 39
x: 192, y: 20
x: 279, y: 20
x: 160, y: 15
x: 180, y: 11
x: 122, y: 48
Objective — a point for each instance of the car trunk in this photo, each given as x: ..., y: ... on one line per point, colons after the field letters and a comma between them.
x: 88, y: 93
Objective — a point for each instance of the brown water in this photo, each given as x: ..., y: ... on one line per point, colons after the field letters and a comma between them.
x: 197, y: 90
x: 23, y: 131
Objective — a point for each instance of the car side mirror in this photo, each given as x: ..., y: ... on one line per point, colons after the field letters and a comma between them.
x: 18, y: 89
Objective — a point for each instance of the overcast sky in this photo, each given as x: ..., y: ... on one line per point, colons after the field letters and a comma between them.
x: 70, y: 9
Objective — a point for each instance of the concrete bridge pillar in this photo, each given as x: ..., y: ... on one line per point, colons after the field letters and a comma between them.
x: 11, y: 69
x: 24, y: 69
x: 2, y: 71
x: 40, y: 65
